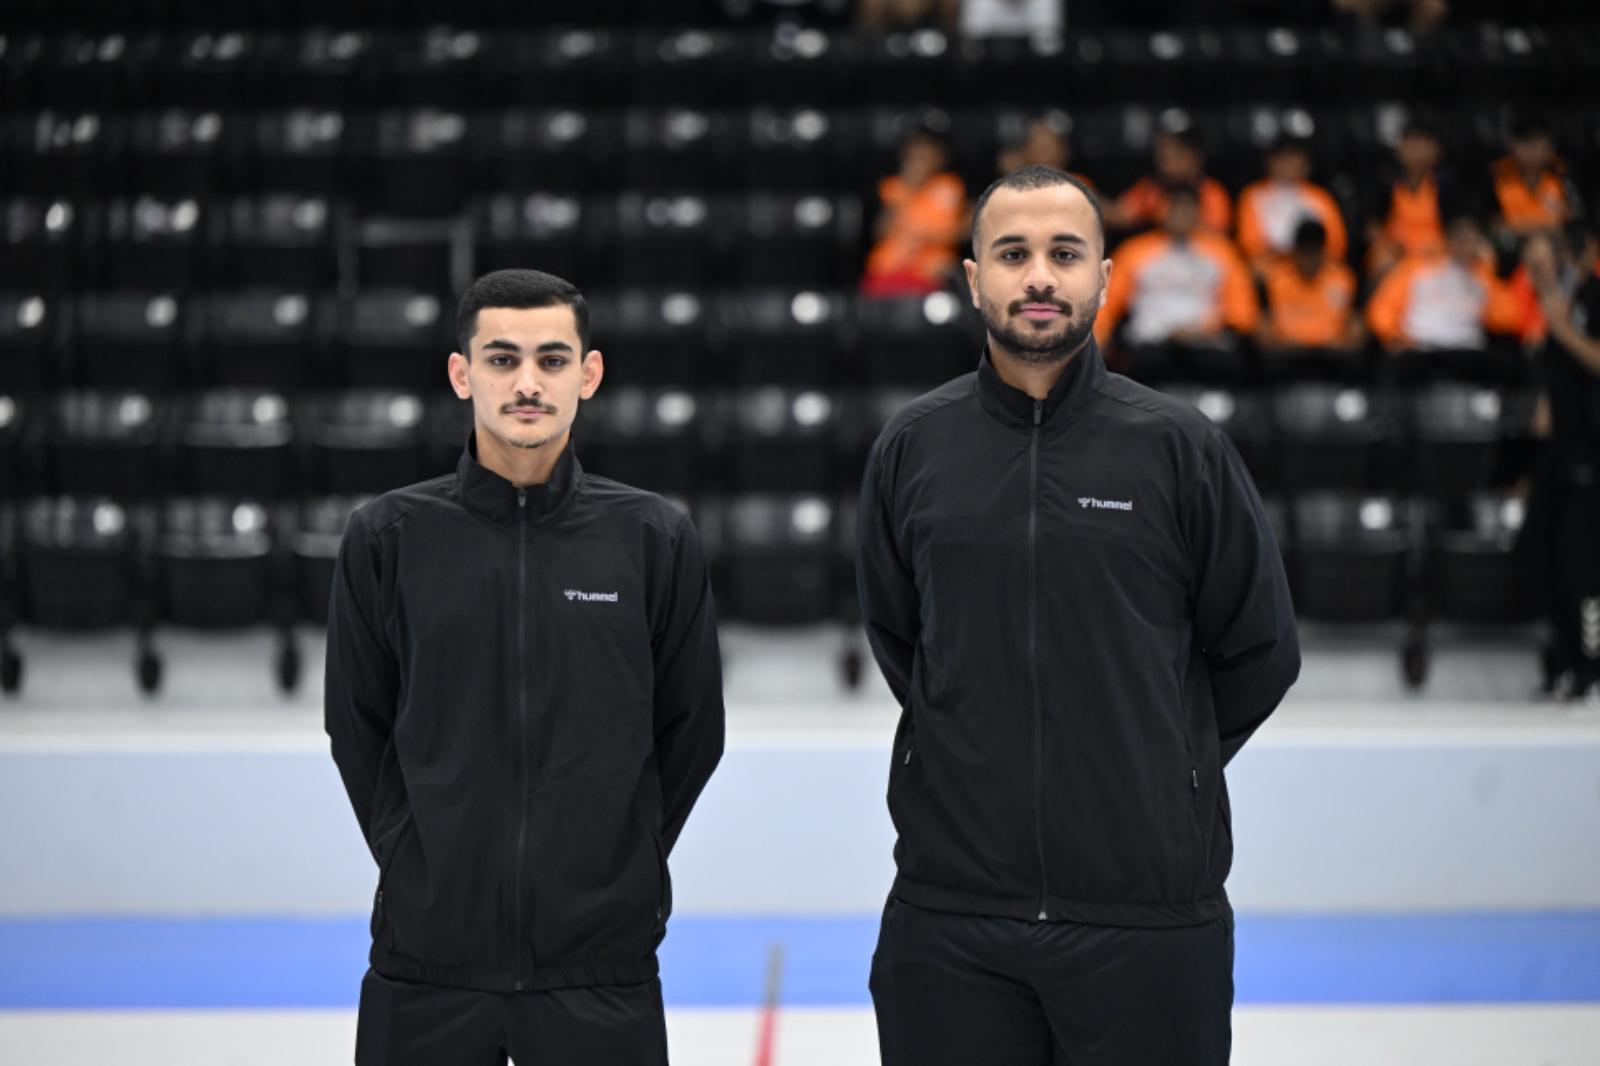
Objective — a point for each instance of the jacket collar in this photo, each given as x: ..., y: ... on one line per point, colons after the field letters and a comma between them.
x: 1074, y: 389
x: 492, y: 496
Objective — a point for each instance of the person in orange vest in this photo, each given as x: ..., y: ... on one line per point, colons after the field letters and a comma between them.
x: 922, y: 221
x: 1186, y: 294
x: 1443, y: 299
x: 1531, y: 187
x: 1310, y: 300
x: 1178, y: 161
x: 1407, y: 207
x: 1270, y: 210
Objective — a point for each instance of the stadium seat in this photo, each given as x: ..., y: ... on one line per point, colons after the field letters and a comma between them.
x: 664, y: 240
x: 214, y: 563
x: 177, y: 153
x: 783, y: 440
x: 39, y: 244
x: 437, y: 66
x: 104, y: 444
x: 150, y: 241
x: 1349, y: 557
x: 28, y: 331
x: 236, y: 442
x: 795, y: 240
x: 782, y: 336
x: 1331, y: 437
x: 685, y: 68
x: 300, y: 150
x: 793, y: 150
x: 539, y: 151
x: 1455, y: 433
x: 59, y: 154
x: 915, y: 340
x: 415, y: 162
x: 409, y: 253
x: 1473, y: 576
x: 546, y: 231
x: 392, y: 337
x: 779, y: 556
x: 653, y: 336
x: 648, y: 437
x: 130, y: 338
x: 281, y: 241
x: 79, y: 566
x: 323, y: 67
x: 319, y: 523
x: 202, y: 67
x: 260, y: 337
x: 674, y: 150
x: 363, y: 442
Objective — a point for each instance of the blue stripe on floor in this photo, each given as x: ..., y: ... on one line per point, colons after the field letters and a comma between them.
x: 110, y: 963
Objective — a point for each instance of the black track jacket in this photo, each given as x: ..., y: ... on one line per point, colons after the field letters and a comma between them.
x: 1081, y: 608
x: 524, y: 699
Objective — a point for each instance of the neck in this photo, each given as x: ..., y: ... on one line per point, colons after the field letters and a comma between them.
x: 1035, y: 379
x: 520, y: 466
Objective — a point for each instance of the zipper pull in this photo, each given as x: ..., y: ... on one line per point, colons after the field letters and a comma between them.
x: 1038, y: 411
x: 522, y: 498
x: 1194, y: 778
x: 908, y: 756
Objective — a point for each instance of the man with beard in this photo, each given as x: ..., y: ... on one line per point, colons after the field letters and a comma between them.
x: 1072, y: 589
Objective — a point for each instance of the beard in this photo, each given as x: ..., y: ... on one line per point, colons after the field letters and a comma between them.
x: 1033, y: 345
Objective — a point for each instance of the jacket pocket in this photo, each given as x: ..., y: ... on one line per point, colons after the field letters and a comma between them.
x: 380, y: 916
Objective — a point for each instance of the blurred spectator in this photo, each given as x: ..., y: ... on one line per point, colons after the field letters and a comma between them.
x: 1270, y: 210
x: 1419, y: 16
x: 1560, y: 538
x: 922, y: 221
x: 907, y: 14
x: 1310, y: 298
x: 1443, y: 299
x: 1186, y: 293
x: 1178, y: 161
x: 1408, y: 204
x: 1044, y: 144
x: 1531, y: 189
x: 1011, y: 18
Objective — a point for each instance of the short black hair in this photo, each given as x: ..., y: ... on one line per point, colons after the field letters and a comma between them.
x: 1528, y: 127
x: 1310, y: 236
x: 1288, y: 142
x: 519, y: 288
x: 1038, y: 176
x: 1421, y: 126
x: 1183, y: 190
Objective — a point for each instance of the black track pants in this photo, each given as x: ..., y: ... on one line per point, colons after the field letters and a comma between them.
x: 955, y: 990
x: 402, y: 1023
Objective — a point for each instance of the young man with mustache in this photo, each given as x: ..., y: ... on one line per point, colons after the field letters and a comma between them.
x: 524, y: 699
x: 1072, y: 589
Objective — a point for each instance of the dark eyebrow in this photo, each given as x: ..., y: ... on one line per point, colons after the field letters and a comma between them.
x: 498, y: 345
x: 1060, y: 238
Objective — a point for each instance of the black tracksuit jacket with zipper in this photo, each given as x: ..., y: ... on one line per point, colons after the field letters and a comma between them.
x: 524, y: 700
x: 1081, y: 608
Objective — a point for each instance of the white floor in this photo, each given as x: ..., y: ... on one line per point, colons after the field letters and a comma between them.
x: 1263, y: 1036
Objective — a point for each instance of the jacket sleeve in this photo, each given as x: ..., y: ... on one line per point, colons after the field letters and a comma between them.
x: 689, y: 716
x: 362, y: 674
x: 1244, y: 620
x: 884, y: 583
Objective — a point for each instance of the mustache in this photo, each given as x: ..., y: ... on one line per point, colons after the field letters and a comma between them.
x: 1063, y: 306
x: 535, y: 404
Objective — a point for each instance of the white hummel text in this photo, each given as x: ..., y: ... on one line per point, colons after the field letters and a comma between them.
x: 592, y: 597
x: 1086, y: 502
